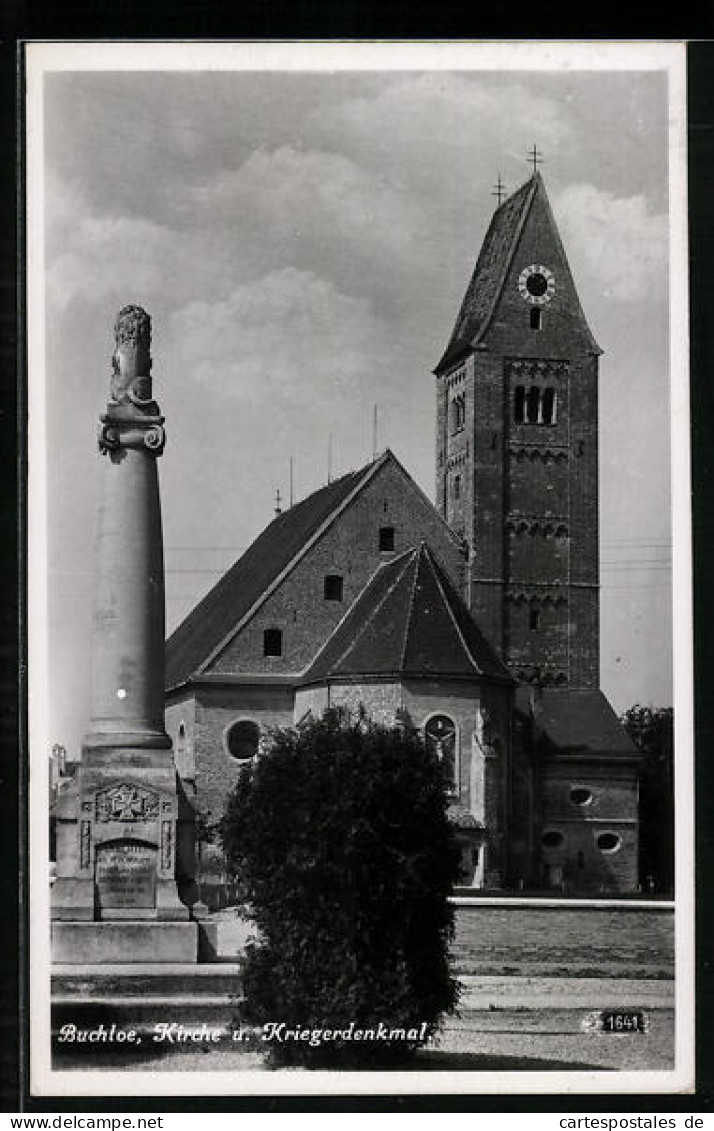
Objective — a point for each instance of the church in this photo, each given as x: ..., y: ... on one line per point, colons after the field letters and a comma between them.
x: 474, y: 619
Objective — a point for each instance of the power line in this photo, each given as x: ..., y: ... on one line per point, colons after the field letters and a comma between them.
x: 172, y: 571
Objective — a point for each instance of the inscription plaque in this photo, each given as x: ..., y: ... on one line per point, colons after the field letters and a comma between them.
x: 125, y: 874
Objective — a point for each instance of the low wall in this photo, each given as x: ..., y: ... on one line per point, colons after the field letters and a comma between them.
x: 615, y: 938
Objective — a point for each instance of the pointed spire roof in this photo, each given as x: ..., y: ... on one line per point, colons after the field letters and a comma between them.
x: 408, y: 622
x: 492, y: 269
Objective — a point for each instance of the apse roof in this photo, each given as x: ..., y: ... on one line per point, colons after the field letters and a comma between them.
x: 408, y: 621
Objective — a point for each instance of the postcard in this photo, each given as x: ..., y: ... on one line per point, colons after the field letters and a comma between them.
x: 359, y: 577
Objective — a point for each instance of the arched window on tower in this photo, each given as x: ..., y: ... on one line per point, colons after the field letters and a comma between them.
x: 519, y: 403
x: 550, y: 406
x: 533, y: 405
x: 458, y: 413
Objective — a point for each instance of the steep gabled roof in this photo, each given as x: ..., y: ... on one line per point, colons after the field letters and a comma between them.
x: 408, y: 621
x: 490, y: 271
x: 245, y: 582
x: 211, y: 624
x: 575, y: 721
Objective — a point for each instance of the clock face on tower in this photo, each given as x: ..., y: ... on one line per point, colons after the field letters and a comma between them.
x: 536, y: 284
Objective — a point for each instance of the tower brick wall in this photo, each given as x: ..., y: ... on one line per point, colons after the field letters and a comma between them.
x: 527, y: 460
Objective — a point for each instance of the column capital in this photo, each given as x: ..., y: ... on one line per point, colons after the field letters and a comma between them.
x: 142, y: 433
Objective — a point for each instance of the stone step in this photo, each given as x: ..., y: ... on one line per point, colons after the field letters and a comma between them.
x: 141, y: 995
x: 95, y: 983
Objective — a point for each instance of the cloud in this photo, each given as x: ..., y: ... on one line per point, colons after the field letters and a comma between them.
x: 317, y: 210
x: 614, y: 243
x: 98, y: 258
x: 423, y: 123
x: 103, y: 256
x: 287, y: 337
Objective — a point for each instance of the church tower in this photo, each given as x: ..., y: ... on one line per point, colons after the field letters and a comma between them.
x: 517, y: 448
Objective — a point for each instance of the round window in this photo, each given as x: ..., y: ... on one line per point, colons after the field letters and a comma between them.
x: 552, y: 839
x: 242, y: 740
x: 580, y: 796
x: 608, y: 842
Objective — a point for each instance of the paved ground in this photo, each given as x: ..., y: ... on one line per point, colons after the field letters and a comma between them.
x: 530, y: 993
x: 504, y: 1024
x: 511, y: 1040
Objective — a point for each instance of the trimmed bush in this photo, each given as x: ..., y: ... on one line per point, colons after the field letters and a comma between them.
x: 339, y: 838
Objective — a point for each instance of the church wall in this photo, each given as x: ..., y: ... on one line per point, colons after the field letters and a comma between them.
x: 350, y: 549
x: 553, y: 631
x: 522, y: 808
x: 382, y: 701
x: 536, y: 552
x: 423, y: 698
x: 180, y: 723
x: 584, y: 559
x: 488, y: 564
x: 579, y: 861
x: 482, y: 718
x: 467, y: 705
x: 216, y: 708
x: 313, y: 699
x: 538, y: 483
x: 584, y: 636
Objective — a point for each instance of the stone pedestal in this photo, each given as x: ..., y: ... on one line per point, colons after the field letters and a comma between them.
x: 121, y: 825
x: 129, y: 942
x: 117, y: 840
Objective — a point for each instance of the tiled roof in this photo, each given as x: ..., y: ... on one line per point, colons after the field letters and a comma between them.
x: 490, y: 271
x: 231, y: 598
x: 575, y: 721
x: 408, y: 621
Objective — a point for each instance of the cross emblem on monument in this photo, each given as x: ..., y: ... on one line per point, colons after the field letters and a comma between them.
x: 126, y: 804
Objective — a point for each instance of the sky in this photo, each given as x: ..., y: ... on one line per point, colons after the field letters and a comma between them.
x: 302, y: 242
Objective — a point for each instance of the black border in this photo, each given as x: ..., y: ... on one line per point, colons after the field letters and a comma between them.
x: 11, y: 616
x: 349, y: 19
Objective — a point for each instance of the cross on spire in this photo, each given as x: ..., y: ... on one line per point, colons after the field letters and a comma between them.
x: 499, y: 189
x: 534, y: 157
x: 278, y: 509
